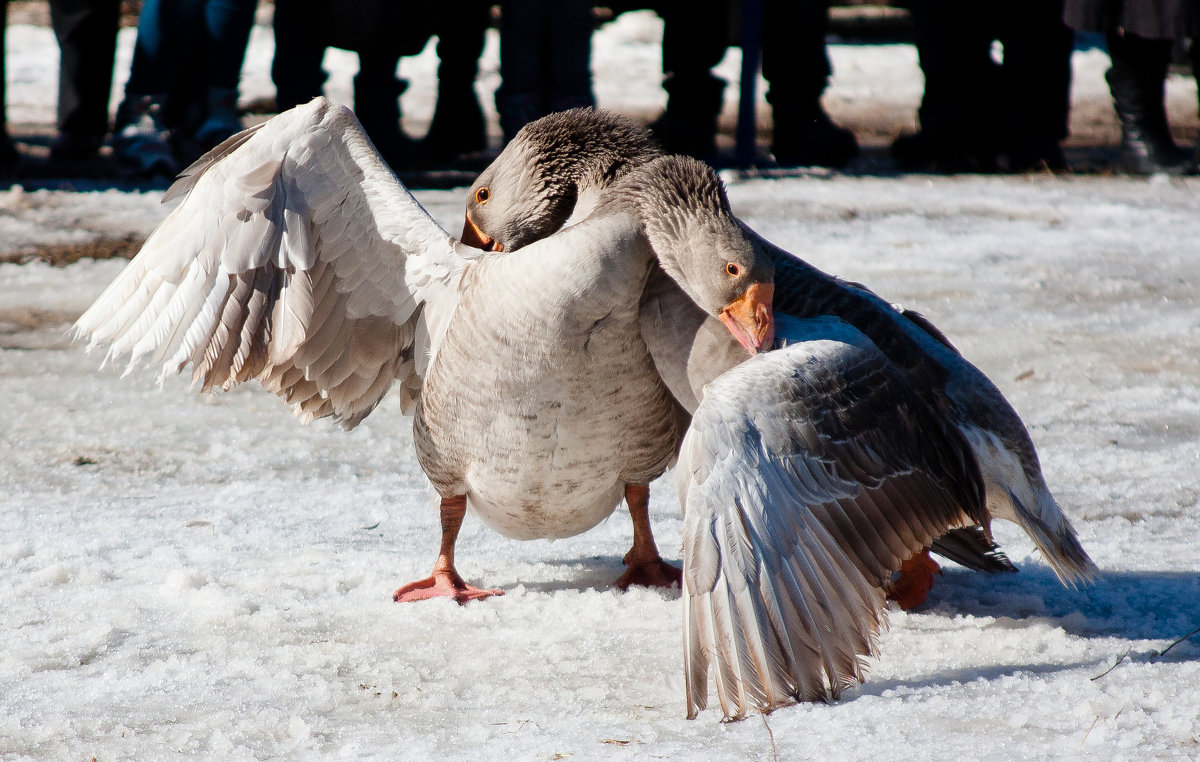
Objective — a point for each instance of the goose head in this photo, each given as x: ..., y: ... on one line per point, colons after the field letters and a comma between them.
x: 700, y: 244
x: 532, y: 187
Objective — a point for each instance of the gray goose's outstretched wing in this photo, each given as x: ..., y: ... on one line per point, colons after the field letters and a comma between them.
x: 809, y: 474
x: 964, y: 395
x: 295, y: 257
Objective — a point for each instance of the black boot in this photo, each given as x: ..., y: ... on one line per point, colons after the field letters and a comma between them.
x: 8, y: 151
x: 1194, y: 54
x: 1027, y: 153
x: 1137, y: 82
x: 517, y: 110
x: 808, y: 138
x: 944, y: 151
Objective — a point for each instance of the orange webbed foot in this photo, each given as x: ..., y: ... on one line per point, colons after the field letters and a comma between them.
x: 914, y: 580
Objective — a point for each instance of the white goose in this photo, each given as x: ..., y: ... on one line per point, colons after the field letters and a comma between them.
x: 298, y: 259
x: 809, y: 475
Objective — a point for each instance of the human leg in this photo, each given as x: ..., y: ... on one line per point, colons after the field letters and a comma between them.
x: 1137, y: 81
x: 8, y: 152
x: 956, y: 134
x: 227, y: 25
x: 87, y: 36
x: 458, y: 126
x: 142, y: 141
x: 1036, y: 82
x: 299, y: 49
x: 695, y: 37
x: 519, y: 99
x: 796, y: 65
x: 569, y: 74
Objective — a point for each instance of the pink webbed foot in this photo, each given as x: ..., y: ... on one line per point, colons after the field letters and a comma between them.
x: 445, y: 582
x: 654, y: 572
x: 914, y: 581
x: 645, y: 567
x: 442, y: 585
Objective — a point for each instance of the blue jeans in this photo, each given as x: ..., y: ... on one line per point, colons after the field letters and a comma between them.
x: 200, y: 41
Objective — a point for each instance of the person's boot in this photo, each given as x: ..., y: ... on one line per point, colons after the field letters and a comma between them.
x: 1029, y: 153
x: 1194, y: 54
x: 142, y: 142
x: 8, y: 151
x: 221, y: 119
x: 689, y: 125
x: 808, y: 138
x: 1137, y: 82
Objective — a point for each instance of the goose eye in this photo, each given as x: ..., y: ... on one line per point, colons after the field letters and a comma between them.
x: 482, y: 195
x: 733, y: 269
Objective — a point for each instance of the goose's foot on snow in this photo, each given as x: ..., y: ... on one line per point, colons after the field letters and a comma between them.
x: 445, y: 581
x: 650, y: 573
x: 442, y: 584
x: 913, y: 581
x: 645, y: 566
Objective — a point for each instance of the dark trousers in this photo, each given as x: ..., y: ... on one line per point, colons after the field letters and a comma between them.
x: 545, y: 54
x: 380, y: 33
x: 967, y: 93
x: 300, y: 41
x: 87, y: 41
x: 794, y: 59
x: 3, y: 70
x: 179, y: 40
x: 795, y: 62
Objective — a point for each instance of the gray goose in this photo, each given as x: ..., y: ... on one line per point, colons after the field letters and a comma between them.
x: 298, y: 259
x: 808, y: 475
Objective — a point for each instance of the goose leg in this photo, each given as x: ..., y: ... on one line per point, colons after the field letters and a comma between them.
x: 644, y: 565
x: 914, y: 581
x: 445, y: 582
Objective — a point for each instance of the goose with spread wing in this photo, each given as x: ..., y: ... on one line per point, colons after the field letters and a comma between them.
x: 811, y: 474
x: 298, y: 259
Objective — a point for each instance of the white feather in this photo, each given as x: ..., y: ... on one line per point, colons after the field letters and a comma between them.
x: 303, y: 194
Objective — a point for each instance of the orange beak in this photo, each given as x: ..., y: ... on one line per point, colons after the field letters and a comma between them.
x: 750, y: 319
x: 473, y: 236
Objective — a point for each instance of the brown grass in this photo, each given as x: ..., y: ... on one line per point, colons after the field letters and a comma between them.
x: 62, y: 254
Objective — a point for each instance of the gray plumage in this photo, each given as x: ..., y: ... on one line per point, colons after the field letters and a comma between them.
x: 802, y: 498
x: 810, y: 473
x: 544, y: 177
x: 297, y: 258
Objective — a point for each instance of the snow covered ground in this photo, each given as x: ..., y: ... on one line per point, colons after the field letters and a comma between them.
x: 201, y: 577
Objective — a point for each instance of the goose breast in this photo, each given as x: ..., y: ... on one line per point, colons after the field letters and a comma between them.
x: 578, y: 395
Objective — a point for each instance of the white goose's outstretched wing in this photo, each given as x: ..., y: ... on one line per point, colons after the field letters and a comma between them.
x: 809, y: 474
x: 296, y: 257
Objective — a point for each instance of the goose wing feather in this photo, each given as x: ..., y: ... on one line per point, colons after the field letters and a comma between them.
x: 958, y: 389
x: 974, y: 548
x: 808, y: 475
x: 295, y: 257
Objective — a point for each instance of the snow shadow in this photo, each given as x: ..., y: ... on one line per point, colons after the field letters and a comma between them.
x: 950, y: 677
x: 1135, y: 605
x: 590, y: 573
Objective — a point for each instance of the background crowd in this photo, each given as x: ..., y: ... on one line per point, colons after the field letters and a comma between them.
x: 996, y: 97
